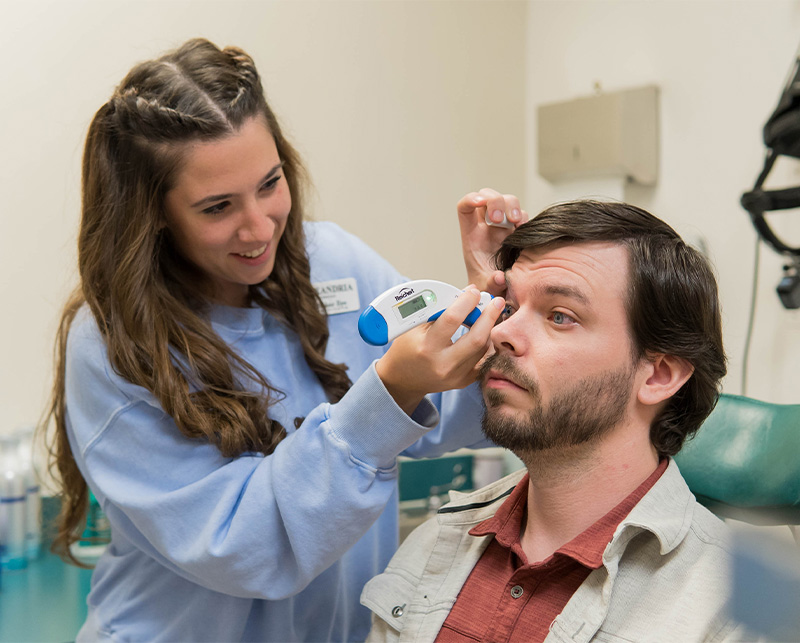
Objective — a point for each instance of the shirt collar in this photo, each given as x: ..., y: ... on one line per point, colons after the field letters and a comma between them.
x: 587, y: 547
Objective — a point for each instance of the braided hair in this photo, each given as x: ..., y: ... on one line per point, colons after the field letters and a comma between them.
x: 145, y: 297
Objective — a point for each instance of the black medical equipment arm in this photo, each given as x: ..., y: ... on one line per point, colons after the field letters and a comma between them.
x: 782, y: 138
x: 758, y: 201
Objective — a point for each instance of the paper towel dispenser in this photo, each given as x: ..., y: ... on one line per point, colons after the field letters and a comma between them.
x: 608, y: 134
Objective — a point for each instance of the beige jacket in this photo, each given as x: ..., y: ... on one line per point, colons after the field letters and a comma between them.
x: 665, y: 574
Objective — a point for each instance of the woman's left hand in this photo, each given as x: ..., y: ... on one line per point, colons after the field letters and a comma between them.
x: 480, y: 241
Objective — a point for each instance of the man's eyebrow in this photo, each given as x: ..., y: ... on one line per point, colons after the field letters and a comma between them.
x: 219, y: 197
x: 550, y: 289
x: 566, y: 291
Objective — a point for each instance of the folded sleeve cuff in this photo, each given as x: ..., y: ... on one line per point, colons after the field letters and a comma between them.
x: 369, y: 420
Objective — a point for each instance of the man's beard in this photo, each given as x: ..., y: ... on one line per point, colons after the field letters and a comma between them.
x: 581, y: 413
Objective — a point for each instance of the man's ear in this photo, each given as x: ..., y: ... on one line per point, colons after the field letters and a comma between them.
x: 664, y: 376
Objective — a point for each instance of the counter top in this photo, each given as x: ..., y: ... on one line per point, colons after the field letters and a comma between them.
x: 45, y: 602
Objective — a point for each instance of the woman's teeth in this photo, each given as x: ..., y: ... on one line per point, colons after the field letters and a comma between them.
x: 255, y: 253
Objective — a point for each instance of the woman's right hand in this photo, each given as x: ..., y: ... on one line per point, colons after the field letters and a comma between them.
x: 426, y: 360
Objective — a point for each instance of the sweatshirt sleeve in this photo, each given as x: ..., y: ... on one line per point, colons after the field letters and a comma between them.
x: 251, y: 526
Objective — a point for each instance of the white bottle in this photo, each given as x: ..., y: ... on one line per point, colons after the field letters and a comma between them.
x: 33, y: 499
x: 12, y: 506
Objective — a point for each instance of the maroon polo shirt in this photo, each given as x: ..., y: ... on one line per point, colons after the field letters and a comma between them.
x: 507, y: 599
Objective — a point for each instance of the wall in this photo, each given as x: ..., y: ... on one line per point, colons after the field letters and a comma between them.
x: 721, y: 67
x: 399, y: 108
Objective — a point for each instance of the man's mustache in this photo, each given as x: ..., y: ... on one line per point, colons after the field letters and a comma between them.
x: 503, y: 364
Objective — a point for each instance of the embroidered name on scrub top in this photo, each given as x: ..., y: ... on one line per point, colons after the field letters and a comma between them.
x: 339, y: 295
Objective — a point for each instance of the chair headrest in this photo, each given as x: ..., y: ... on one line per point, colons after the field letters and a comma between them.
x: 746, y: 454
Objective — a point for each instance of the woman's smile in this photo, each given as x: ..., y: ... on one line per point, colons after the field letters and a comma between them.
x: 254, y: 257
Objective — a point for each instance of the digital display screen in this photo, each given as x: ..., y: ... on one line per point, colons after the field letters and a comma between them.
x: 411, y: 306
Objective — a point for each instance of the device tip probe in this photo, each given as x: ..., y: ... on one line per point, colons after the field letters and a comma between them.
x: 403, y: 307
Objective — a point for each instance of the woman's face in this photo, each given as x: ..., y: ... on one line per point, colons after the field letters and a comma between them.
x: 228, y: 209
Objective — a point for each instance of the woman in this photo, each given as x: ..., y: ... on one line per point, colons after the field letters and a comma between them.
x: 240, y: 438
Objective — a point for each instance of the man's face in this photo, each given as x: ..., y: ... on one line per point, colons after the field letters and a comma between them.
x: 562, y: 373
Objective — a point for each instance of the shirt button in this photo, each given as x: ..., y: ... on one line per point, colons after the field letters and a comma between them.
x: 516, y: 591
x: 397, y: 612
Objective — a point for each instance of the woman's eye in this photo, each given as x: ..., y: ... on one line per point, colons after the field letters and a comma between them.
x: 269, y: 185
x: 217, y: 208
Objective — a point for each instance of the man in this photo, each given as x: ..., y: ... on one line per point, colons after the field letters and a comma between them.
x: 608, y: 356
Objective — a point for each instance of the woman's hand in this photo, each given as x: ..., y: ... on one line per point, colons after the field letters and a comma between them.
x: 480, y: 241
x: 426, y: 360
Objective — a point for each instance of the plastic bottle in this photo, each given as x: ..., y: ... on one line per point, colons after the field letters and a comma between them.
x: 12, y: 506
x: 97, y: 527
x: 33, y: 499
x: 96, y: 534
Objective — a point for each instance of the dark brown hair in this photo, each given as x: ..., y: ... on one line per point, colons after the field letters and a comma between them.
x: 672, y: 305
x: 147, y: 300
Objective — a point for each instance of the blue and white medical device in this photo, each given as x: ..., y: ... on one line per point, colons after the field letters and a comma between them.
x: 403, y: 307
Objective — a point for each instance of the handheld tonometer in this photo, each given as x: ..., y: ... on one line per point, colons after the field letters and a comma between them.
x: 403, y: 307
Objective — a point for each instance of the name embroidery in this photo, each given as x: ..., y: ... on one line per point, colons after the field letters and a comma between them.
x: 339, y: 295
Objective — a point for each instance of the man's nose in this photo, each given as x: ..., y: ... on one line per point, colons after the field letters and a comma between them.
x: 509, y: 336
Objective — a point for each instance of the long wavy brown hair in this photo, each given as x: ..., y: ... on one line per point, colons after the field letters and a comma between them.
x: 147, y: 300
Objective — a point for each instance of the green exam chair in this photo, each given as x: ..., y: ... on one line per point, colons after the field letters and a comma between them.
x: 744, y: 462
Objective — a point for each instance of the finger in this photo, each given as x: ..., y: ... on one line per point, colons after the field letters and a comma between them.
x: 489, y: 317
x: 497, y: 283
x: 513, y: 208
x: 524, y: 218
x: 468, y: 203
x: 495, y: 205
x: 454, y: 315
x: 472, y: 346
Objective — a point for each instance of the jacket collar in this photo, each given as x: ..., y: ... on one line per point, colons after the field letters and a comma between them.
x: 665, y: 511
x: 472, y: 508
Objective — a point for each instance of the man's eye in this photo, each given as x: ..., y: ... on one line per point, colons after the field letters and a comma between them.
x: 561, y: 319
x: 507, y: 312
